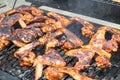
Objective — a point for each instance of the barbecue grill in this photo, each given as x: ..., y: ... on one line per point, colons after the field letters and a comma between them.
x: 10, y: 68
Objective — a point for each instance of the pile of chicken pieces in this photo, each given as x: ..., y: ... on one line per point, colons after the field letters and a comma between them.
x: 40, y: 29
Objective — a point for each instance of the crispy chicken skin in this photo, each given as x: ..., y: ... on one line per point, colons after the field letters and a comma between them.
x: 65, y: 22
x: 28, y: 35
x: 116, y: 34
x: 27, y: 17
x: 53, y: 73
x: 56, y: 73
x: 40, y: 18
x: 49, y: 36
x: 96, y: 44
x: 52, y: 58
x: 3, y: 43
x: 72, y: 41
x: 5, y: 34
x: 33, y: 10
x: 54, y: 43
x: 36, y: 25
x: 84, y: 56
x: 88, y: 29
x: 110, y: 46
x: 25, y: 54
x: 2, y: 16
x: 10, y: 20
x: 98, y: 40
x: 5, y: 28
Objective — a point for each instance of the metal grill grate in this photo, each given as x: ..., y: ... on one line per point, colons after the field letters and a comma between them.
x: 11, y: 65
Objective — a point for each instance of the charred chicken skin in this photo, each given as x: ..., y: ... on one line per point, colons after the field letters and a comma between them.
x: 25, y: 54
x: 10, y: 20
x: 2, y: 17
x: 84, y: 56
x: 56, y: 73
x: 72, y: 41
x: 5, y: 28
x: 88, y: 29
x: 65, y: 22
x: 28, y: 35
x: 52, y: 58
x: 31, y: 9
x: 96, y: 44
x: 5, y: 34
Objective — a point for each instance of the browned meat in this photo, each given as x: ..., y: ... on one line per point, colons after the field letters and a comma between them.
x: 40, y: 18
x: 88, y: 29
x: 56, y: 73
x: 84, y: 56
x: 51, y: 28
x: 65, y: 22
x: 110, y: 46
x: 2, y: 17
x: 3, y: 43
x: 5, y: 34
x: 53, y: 25
x: 116, y: 34
x: 10, y: 20
x: 17, y: 42
x: 25, y: 54
x: 96, y: 44
x: 28, y: 35
x: 27, y: 59
x: 72, y: 41
x: 23, y: 9
x: 50, y: 36
x: 36, y: 25
x: 54, y: 43
x: 53, y: 73
x: 51, y: 58
x: 27, y: 17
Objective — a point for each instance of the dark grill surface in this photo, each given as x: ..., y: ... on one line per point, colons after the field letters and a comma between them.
x: 10, y: 64
x: 108, y: 2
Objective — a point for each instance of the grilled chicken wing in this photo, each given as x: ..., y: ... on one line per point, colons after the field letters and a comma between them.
x: 23, y: 9
x: 28, y: 35
x: 54, y: 43
x: 116, y: 34
x: 49, y: 36
x: 2, y: 17
x: 53, y: 73
x: 72, y: 41
x: 56, y: 73
x: 10, y: 20
x: 65, y: 22
x: 5, y: 34
x: 40, y: 18
x: 96, y: 44
x: 6, y: 30
x: 52, y: 58
x: 88, y: 29
x: 84, y: 56
x: 25, y: 54
x: 110, y: 46
x: 27, y: 17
